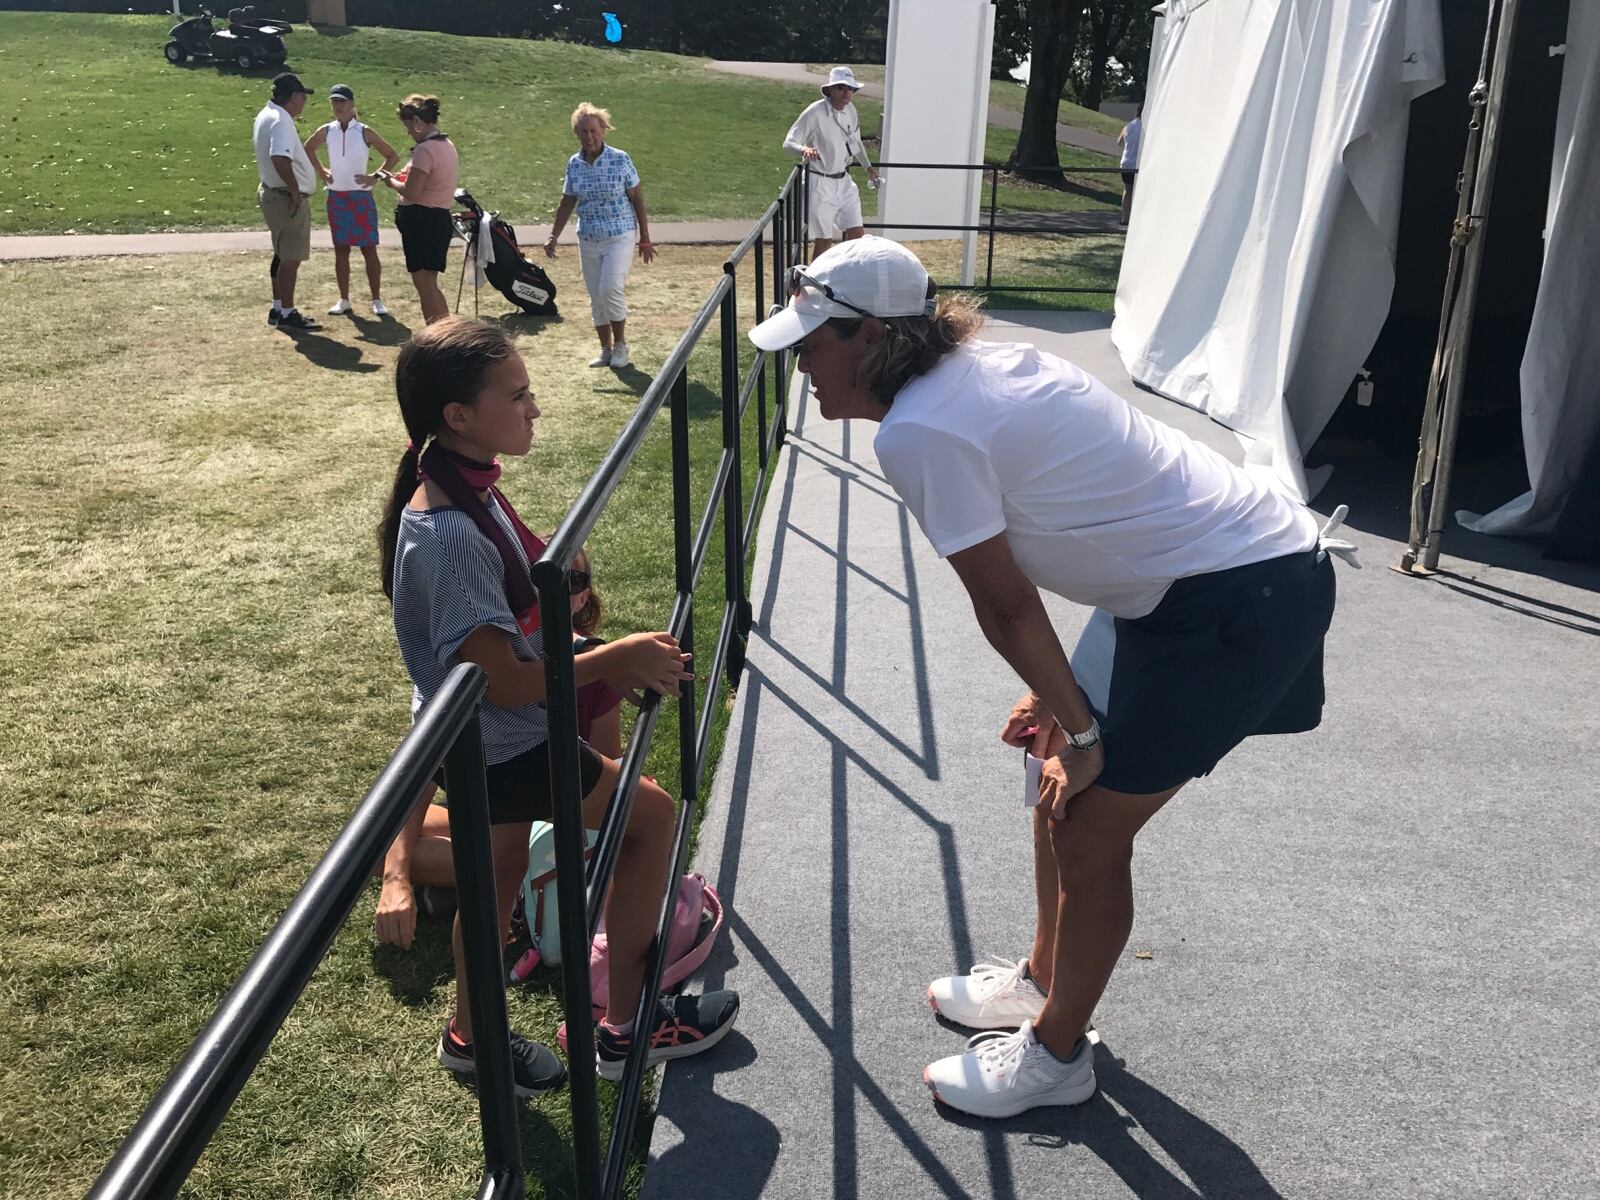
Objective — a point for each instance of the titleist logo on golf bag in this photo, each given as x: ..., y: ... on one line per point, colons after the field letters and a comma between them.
x: 530, y: 291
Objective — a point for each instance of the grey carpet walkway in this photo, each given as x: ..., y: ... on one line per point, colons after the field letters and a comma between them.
x: 1371, y: 962
x: 1067, y: 135
x: 258, y: 241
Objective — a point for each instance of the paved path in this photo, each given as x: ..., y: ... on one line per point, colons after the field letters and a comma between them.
x: 1372, y: 968
x: 1068, y: 135
x: 259, y: 241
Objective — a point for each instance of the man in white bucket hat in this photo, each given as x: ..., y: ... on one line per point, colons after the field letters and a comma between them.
x: 827, y: 138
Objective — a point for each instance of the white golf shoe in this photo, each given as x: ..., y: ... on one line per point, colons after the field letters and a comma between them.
x: 619, y: 356
x: 339, y: 309
x: 379, y: 309
x: 603, y: 359
x: 1003, y: 1074
x: 994, y: 995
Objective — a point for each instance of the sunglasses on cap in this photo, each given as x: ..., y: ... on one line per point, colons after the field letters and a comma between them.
x: 799, y: 281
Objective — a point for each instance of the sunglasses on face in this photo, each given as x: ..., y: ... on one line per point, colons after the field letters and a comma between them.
x: 577, y: 581
x: 799, y: 281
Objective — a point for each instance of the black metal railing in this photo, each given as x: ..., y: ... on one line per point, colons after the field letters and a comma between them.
x: 158, y: 1154
x: 780, y: 233
x: 992, y: 225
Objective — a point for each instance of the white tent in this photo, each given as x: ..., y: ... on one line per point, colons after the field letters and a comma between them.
x: 1560, y: 374
x: 1260, y: 255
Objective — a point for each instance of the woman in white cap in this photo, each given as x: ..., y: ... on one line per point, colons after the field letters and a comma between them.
x: 1213, y: 593
x: 827, y: 138
x: 352, y: 212
x: 603, y: 185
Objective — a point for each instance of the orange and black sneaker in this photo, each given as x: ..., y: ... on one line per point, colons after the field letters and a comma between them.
x: 684, y: 1025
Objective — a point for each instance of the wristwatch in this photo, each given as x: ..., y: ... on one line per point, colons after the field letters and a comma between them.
x: 1088, y: 739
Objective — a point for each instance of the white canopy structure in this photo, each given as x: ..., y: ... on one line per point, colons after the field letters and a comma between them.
x: 1260, y: 254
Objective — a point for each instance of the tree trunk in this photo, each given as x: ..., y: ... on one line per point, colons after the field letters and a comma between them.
x: 1053, y: 28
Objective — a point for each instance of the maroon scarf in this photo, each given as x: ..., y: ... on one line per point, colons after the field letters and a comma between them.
x: 461, y: 479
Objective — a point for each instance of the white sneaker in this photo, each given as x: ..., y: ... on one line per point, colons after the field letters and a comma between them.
x: 603, y: 359
x: 1003, y: 1074
x: 339, y: 309
x: 379, y: 308
x: 994, y: 995
x: 619, y: 356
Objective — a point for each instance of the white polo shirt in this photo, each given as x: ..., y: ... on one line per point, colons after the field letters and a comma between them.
x: 835, y: 135
x: 275, y: 134
x: 1100, y: 503
x: 347, y: 155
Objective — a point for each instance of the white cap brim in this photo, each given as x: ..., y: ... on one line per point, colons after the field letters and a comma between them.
x: 804, y: 313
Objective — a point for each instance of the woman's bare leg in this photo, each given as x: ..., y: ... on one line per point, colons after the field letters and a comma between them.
x: 1093, y: 845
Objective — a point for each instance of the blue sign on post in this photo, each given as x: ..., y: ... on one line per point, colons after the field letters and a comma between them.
x: 613, y: 27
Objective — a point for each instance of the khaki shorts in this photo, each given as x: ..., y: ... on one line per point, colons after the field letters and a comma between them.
x: 291, y: 232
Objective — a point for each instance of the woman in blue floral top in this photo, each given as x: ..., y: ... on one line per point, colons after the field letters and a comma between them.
x: 603, y: 186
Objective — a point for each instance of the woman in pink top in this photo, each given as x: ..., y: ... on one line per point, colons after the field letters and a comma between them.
x: 427, y: 187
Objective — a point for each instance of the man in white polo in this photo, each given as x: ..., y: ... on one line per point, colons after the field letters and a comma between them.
x: 827, y: 137
x: 287, y: 183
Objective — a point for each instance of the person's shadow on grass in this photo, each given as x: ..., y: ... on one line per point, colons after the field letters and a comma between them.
x: 330, y: 354
x: 380, y: 331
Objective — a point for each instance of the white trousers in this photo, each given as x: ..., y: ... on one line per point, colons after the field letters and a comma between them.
x: 605, y: 270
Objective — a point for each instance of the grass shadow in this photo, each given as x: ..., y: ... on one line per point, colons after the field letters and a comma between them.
x: 380, y: 331
x: 527, y: 324
x: 331, y: 355
x: 414, y: 975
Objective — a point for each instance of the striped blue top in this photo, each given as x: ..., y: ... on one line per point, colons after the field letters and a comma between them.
x: 601, y: 188
x: 449, y: 581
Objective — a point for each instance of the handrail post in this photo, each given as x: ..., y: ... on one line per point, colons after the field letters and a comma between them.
x: 682, y: 524
x: 780, y: 273
x: 733, y: 492
x: 761, y: 375
x: 566, y: 790
x: 481, y: 944
x: 994, y: 204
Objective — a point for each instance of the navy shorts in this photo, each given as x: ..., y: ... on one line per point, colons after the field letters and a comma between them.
x: 1223, y: 657
x: 519, y: 788
x: 425, y: 235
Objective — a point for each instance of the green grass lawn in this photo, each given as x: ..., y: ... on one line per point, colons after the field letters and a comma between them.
x: 201, y: 682
x: 103, y: 135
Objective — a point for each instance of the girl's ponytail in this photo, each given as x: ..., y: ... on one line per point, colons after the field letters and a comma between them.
x: 406, y: 478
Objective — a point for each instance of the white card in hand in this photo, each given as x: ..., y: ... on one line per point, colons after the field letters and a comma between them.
x: 1030, y: 780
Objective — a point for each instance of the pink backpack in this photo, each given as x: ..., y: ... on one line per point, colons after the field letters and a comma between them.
x: 695, y: 925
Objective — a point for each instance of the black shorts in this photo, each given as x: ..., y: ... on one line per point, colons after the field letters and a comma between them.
x: 1223, y: 657
x: 1128, y: 177
x: 519, y: 788
x: 425, y: 235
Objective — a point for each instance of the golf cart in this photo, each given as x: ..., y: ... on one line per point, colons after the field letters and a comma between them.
x: 245, y: 46
x: 249, y: 17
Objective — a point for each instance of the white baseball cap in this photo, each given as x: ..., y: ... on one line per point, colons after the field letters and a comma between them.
x: 840, y: 75
x: 865, y: 277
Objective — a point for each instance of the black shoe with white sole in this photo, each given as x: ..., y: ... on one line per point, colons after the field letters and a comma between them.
x: 296, y: 321
x: 684, y: 1025
x: 535, y: 1069
x: 273, y: 315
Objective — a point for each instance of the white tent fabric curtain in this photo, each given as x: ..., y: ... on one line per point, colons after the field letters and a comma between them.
x: 1560, y: 376
x: 1260, y: 255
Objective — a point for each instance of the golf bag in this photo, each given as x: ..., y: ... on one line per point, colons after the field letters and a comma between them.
x: 522, y: 282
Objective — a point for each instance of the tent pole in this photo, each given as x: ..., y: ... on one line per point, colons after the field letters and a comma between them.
x: 1430, y: 494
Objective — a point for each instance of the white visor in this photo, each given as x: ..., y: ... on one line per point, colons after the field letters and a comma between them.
x: 806, y: 311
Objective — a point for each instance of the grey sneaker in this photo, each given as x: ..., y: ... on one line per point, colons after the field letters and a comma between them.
x: 534, y: 1067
